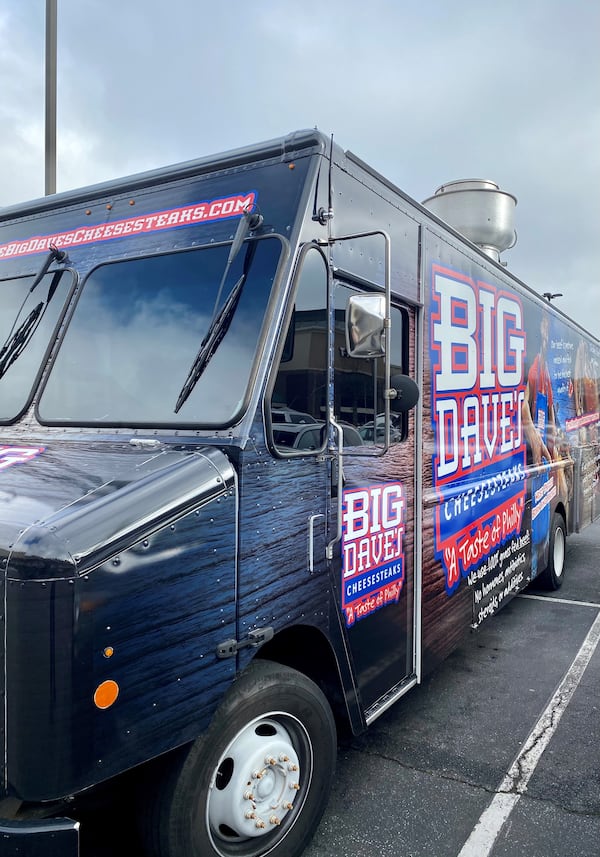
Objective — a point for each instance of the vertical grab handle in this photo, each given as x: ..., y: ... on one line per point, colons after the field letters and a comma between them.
x: 340, y: 483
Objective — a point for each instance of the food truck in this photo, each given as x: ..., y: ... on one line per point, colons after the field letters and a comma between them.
x: 274, y: 437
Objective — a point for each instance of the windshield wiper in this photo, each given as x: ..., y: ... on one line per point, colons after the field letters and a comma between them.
x: 216, y: 331
x: 221, y: 319
x: 17, y: 340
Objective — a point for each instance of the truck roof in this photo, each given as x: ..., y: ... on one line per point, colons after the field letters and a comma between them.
x: 280, y: 147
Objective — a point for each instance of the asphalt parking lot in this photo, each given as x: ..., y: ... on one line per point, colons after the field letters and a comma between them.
x: 496, y: 753
x: 430, y: 777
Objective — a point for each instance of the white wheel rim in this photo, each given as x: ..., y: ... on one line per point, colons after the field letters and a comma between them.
x: 559, y: 552
x: 259, y: 783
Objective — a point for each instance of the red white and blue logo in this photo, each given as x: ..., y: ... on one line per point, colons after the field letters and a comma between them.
x: 477, y: 375
x: 373, y: 522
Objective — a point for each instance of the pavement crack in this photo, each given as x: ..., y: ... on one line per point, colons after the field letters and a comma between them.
x: 431, y: 772
x: 518, y: 778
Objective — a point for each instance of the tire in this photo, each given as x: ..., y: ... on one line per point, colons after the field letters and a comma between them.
x: 553, y: 576
x: 257, y: 782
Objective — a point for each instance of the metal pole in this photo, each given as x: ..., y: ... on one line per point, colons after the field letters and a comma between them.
x: 50, y: 149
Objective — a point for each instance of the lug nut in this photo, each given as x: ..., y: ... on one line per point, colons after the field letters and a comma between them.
x: 274, y: 820
x: 259, y: 823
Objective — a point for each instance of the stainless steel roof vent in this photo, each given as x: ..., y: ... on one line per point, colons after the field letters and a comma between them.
x: 480, y: 211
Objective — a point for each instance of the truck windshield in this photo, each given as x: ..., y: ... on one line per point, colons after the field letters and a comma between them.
x: 136, y: 331
x: 28, y: 320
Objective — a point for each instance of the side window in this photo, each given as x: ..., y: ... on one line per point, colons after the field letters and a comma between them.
x: 359, y: 384
x: 299, y: 400
x: 29, y: 321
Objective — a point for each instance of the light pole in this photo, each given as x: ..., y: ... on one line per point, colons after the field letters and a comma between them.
x: 50, y: 147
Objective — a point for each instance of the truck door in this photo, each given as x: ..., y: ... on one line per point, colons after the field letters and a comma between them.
x: 373, y: 564
x: 319, y: 394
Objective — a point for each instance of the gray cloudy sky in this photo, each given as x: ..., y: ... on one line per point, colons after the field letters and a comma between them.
x: 426, y: 92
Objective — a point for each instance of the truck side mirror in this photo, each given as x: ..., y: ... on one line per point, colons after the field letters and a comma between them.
x: 407, y: 394
x: 365, y: 316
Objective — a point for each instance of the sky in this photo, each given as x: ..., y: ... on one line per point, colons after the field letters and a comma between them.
x: 426, y: 92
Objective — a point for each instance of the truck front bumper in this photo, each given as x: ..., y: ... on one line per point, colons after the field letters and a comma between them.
x: 48, y: 837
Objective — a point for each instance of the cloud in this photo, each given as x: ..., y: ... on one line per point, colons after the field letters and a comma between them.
x: 22, y: 123
x: 426, y: 93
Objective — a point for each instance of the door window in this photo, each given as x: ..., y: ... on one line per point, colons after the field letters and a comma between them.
x: 299, y: 399
x: 359, y: 383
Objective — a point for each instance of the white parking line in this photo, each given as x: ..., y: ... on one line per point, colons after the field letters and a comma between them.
x: 570, y: 601
x: 514, y: 785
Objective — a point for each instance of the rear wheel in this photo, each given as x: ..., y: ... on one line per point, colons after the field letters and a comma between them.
x: 554, y: 574
x: 258, y: 781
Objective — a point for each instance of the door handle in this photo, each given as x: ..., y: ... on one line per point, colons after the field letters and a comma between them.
x: 311, y: 539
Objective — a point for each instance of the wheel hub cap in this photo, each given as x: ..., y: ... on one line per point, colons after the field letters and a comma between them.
x: 256, y: 781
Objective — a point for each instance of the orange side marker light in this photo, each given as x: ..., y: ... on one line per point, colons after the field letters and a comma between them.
x: 106, y: 694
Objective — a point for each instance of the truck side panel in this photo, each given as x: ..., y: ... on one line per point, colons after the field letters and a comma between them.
x: 507, y: 436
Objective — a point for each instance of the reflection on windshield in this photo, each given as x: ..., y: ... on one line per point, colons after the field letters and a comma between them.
x: 27, y: 323
x: 136, y: 331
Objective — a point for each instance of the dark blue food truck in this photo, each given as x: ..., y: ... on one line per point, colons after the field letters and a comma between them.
x: 273, y: 438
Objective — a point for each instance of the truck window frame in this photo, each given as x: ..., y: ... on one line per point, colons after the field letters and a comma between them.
x: 401, y: 334
x: 45, y: 352
x: 286, y: 353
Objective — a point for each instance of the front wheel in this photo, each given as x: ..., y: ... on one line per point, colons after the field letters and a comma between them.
x: 257, y: 781
x: 554, y: 574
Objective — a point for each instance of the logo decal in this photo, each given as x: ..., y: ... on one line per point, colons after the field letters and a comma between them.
x: 189, y: 215
x: 373, y: 521
x: 10, y: 455
x: 478, y: 390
